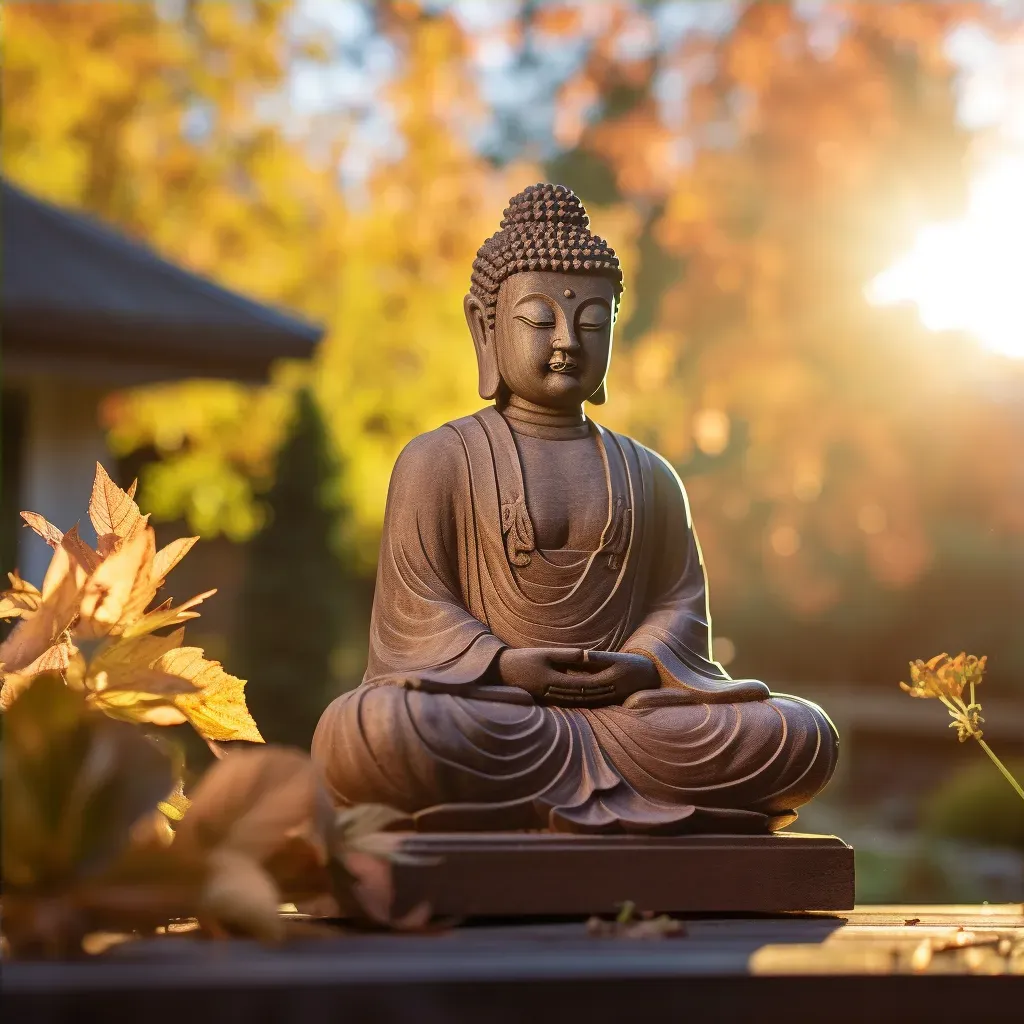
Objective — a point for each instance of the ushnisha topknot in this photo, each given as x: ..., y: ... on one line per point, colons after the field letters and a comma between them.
x: 544, y: 227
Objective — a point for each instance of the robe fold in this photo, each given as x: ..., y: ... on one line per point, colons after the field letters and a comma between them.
x: 460, y: 578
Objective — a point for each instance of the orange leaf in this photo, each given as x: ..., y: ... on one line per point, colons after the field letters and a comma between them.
x: 21, y: 600
x: 216, y: 708
x: 46, y: 530
x: 164, y: 615
x: 88, y: 559
x: 34, y: 635
x: 114, y: 588
x: 112, y: 510
x: 254, y: 801
x: 168, y: 557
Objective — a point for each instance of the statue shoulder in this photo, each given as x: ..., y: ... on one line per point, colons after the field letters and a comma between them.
x: 666, y: 479
x: 431, y: 458
x: 432, y: 452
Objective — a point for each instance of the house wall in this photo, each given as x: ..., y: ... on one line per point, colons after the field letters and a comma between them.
x: 61, y: 442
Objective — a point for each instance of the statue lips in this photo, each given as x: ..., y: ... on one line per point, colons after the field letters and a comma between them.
x: 560, y: 362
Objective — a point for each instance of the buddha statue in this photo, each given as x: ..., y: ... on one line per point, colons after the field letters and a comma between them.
x: 540, y: 645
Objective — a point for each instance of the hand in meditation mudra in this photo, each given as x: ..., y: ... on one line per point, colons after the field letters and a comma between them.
x: 540, y: 645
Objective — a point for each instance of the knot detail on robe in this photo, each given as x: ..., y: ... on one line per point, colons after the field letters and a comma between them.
x: 518, y: 531
x: 617, y: 542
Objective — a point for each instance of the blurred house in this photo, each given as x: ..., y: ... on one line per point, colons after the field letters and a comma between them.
x: 85, y: 311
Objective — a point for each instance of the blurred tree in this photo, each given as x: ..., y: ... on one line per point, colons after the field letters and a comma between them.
x: 853, y: 482
x: 292, y: 608
x: 179, y: 123
x: 831, y: 450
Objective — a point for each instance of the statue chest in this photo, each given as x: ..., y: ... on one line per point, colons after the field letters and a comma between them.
x: 566, y: 491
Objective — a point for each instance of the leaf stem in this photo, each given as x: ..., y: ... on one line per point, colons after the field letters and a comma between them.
x: 999, y: 764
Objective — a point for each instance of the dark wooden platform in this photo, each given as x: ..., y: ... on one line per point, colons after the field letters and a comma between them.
x: 515, y: 874
x: 862, y: 966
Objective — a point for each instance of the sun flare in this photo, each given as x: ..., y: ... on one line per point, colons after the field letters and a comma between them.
x: 968, y: 274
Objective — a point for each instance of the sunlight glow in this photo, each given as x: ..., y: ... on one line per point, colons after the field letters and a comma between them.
x: 969, y: 274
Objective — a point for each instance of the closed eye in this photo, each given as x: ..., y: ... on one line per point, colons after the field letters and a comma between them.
x: 536, y: 323
x: 594, y: 327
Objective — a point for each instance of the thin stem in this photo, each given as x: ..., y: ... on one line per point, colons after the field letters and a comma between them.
x: 972, y: 691
x: 999, y: 764
x: 949, y: 704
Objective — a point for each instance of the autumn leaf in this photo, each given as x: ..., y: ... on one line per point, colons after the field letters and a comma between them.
x: 46, y: 530
x: 368, y: 828
x: 119, y: 658
x: 74, y: 784
x: 20, y: 600
x: 86, y: 557
x: 168, y: 557
x: 112, y: 510
x: 119, y: 590
x: 39, y: 631
x: 252, y: 801
x: 262, y: 816
x: 165, y: 615
x: 216, y: 708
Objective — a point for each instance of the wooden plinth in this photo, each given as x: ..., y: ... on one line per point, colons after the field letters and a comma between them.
x: 512, y: 874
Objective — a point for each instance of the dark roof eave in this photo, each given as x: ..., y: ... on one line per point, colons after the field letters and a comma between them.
x: 63, y: 344
x: 67, y: 274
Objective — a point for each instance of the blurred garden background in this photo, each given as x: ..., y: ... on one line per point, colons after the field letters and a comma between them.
x: 820, y: 212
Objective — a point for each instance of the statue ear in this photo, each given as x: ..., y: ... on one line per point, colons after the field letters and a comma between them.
x: 483, y: 342
x: 600, y: 396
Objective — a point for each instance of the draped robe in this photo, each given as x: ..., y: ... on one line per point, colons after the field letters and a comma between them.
x: 460, y: 578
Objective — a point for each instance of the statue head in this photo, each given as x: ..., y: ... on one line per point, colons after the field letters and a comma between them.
x: 542, y: 303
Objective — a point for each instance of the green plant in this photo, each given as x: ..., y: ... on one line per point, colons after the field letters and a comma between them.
x: 976, y: 806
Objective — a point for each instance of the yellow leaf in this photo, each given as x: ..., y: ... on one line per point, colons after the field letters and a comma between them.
x: 34, y: 635
x: 61, y: 564
x: 120, y: 657
x: 164, y: 615
x: 117, y: 588
x: 217, y: 708
x: 112, y: 510
x: 252, y: 801
x: 46, y: 530
x: 21, y: 601
x: 53, y: 659
x: 168, y: 557
x: 88, y: 559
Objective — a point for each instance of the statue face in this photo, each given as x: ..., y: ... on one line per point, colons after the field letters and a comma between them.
x: 553, y: 336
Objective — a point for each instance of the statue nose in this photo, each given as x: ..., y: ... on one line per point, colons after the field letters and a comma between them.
x: 566, y: 341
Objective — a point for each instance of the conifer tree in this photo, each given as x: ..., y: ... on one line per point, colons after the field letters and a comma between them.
x: 293, y: 602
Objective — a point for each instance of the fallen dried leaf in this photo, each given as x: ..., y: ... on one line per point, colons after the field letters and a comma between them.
x: 650, y: 928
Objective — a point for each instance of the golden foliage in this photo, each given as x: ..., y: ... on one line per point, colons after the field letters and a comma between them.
x: 81, y: 856
x: 94, y: 107
x: 90, y: 623
x: 768, y: 181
